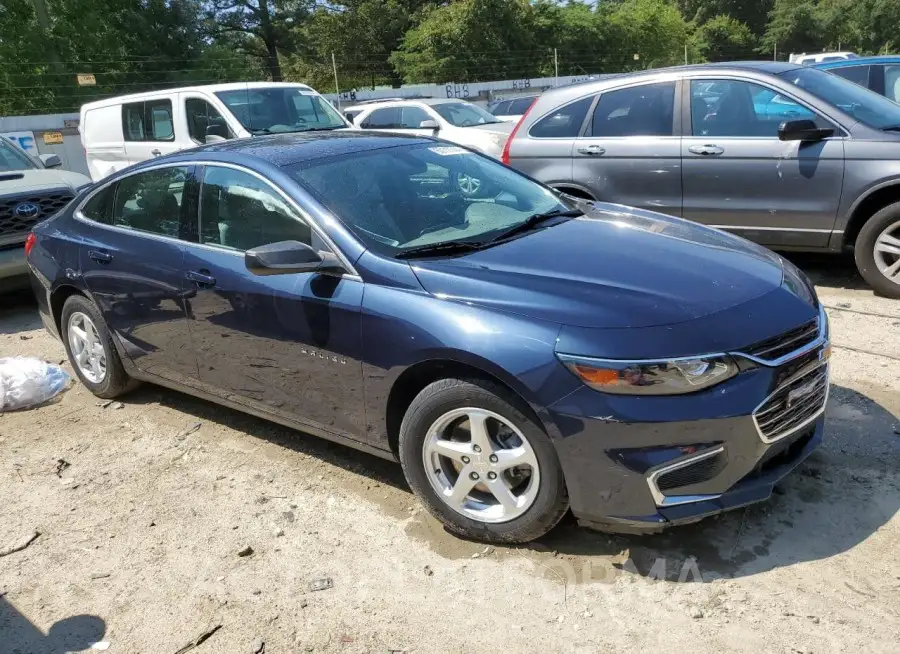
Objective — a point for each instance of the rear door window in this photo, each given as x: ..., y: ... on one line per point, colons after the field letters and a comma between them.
x: 645, y: 110
x: 387, y: 118
x: 564, y: 122
x: 151, y: 202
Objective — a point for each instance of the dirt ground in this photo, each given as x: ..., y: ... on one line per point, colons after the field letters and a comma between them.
x: 142, y: 524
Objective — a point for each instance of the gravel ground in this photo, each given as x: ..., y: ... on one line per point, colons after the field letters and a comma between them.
x: 142, y: 528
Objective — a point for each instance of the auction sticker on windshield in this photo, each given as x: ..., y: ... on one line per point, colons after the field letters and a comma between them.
x: 445, y: 150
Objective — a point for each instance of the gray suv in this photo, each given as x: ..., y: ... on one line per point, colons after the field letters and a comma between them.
x: 784, y: 155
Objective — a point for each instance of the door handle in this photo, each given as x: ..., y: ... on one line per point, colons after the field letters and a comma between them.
x: 201, y: 277
x: 706, y: 150
x: 592, y: 150
x: 100, y: 256
x: 156, y: 152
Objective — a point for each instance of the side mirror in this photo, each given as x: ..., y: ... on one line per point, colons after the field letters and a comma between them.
x: 429, y: 124
x: 802, y: 130
x: 50, y: 160
x: 289, y: 258
x: 216, y: 133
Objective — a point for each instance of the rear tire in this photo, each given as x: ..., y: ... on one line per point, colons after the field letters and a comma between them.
x: 877, y: 254
x: 508, y: 489
x: 91, y: 351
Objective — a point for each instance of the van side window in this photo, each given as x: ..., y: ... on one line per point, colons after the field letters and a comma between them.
x: 203, y: 120
x: 133, y: 121
x: 148, y: 121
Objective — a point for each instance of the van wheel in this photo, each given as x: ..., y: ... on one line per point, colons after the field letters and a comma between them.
x: 91, y: 351
x: 877, y: 251
x: 480, y: 464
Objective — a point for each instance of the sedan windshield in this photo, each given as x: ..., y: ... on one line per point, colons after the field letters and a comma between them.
x: 12, y: 158
x: 278, y: 109
x: 866, y: 106
x: 399, y: 198
x: 464, y: 114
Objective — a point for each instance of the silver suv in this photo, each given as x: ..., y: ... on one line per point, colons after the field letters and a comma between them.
x: 30, y: 191
x: 784, y: 155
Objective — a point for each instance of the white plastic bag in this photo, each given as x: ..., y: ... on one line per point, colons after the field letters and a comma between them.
x: 27, y: 382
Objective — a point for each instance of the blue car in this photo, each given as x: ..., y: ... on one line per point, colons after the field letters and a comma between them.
x: 879, y: 74
x: 519, y: 351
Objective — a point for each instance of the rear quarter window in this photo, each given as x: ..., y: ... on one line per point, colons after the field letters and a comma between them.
x: 563, y: 122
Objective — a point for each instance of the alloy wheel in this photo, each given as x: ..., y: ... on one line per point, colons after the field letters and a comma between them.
x: 481, y: 465
x: 87, y: 349
x: 887, y: 252
x: 467, y: 184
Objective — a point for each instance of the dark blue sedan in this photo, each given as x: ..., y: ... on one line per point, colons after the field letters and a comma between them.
x: 520, y: 352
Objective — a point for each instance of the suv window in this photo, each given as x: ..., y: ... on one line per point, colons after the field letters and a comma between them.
x: 412, y: 117
x: 645, y: 110
x: 387, y: 118
x: 743, y: 109
x: 892, y: 82
x: 148, y: 121
x: 564, y: 122
x: 856, y: 74
x: 151, y: 201
x: 240, y: 211
x: 520, y: 106
x: 202, y: 119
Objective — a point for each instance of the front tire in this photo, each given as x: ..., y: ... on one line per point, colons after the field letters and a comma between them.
x: 91, y: 351
x: 877, y: 251
x: 480, y: 463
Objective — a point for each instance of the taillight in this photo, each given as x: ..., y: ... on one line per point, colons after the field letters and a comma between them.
x: 505, y: 156
x: 29, y: 243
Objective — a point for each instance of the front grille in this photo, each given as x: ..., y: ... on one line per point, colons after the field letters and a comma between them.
x: 696, y: 473
x: 778, y: 346
x: 794, y: 404
x: 15, y: 225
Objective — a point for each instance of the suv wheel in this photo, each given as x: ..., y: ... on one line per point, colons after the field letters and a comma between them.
x: 878, y: 251
x: 91, y: 351
x: 480, y: 463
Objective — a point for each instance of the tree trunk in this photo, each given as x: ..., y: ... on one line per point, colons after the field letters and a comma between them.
x: 271, y: 40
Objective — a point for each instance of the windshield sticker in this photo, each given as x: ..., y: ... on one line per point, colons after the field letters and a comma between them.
x: 445, y: 150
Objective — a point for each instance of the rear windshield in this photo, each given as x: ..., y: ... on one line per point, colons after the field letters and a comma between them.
x: 278, y: 110
x: 866, y: 106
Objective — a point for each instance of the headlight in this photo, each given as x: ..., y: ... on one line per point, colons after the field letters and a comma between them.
x: 672, y: 377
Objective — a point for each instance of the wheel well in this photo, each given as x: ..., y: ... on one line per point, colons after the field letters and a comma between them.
x: 869, y: 207
x: 414, y: 379
x: 57, y: 300
x: 575, y: 192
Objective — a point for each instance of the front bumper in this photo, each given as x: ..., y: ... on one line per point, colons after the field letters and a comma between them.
x: 13, y: 268
x: 643, y: 463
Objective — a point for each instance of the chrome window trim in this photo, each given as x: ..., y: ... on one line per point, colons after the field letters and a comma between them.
x: 352, y: 274
x: 673, y: 500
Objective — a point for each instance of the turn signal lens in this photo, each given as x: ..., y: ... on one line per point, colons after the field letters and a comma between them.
x: 30, y: 240
x: 673, y: 377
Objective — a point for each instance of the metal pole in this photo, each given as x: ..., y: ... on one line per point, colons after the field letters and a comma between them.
x: 555, y: 67
x: 337, y: 89
x: 685, y: 54
x: 775, y: 52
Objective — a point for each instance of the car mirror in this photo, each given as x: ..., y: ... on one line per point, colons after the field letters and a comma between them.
x: 50, y: 160
x: 288, y: 258
x: 429, y: 124
x: 802, y: 130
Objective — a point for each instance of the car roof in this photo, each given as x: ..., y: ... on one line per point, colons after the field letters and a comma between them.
x: 859, y: 61
x: 287, y: 149
x: 209, y: 88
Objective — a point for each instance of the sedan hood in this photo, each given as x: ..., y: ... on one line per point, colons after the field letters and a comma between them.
x: 25, y: 181
x: 612, y: 268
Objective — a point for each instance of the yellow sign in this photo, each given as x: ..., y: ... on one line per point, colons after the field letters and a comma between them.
x: 53, y: 138
x: 86, y: 79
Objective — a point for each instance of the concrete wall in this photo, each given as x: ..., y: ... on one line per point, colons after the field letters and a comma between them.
x: 29, y: 132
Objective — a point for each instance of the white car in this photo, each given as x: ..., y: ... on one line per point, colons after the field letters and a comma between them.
x: 456, y: 121
x: 118, y: 132
x: 30, y: 191
x: 810, y: 59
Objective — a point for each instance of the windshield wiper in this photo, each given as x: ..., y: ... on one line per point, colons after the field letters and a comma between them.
x: 447, y: 247
x: 534, y: 220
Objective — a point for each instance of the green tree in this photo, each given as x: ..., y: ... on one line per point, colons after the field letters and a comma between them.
x: 795, y: 26
x: 753, y: 13
x: 723, y: 38
x: 654, y: 30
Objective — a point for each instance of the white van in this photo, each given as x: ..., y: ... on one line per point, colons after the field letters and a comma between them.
x: 810, y: 59
x: 118, y: 132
